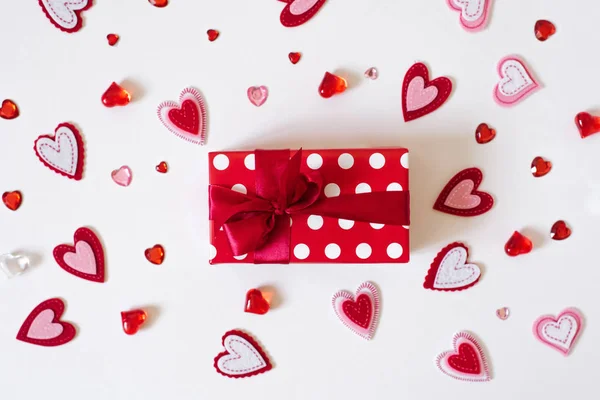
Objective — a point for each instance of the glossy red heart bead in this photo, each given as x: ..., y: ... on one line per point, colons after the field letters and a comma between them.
x: 560, y: 230
x: 162, y: 167
x: 155, y: 254
x: 332, y: 84
x: 256, y: 303
x: 484, y: 134
x: 587, y: 124
x: 518, y: 244
x: 9, y: 110
x: 294, y: 57
x: 544, y: 29
x: 115, y: 95
x: 159, y: 3
x: 540, y: 167
x: 133, y: 320
x: 212, y: 34
x: 112, y: 38
x: 12, y: 200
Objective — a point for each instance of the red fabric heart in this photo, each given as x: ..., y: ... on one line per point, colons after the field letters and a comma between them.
x: 466, y: 361
x: 359, y: 311
x: 57, y: 307
x: 443, y: 85
x: 88, y: 236
x: 186, y: 117
x: 290, y: 19
x: 470, y: 174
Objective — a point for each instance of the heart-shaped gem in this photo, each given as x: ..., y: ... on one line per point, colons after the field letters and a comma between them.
x: 372, y: 73
x: 112, y: 38
x: 484, y: 134
x: 162, y: 167
x: 294, y: 57
x: 122, y: 176
x: 212, y: 34
x: 420, y: 96
x: 358, y: 312
x: 9, y: 109
x: 449, y: 270
x: 133, y: 320
x: 460, y: 196
x: 540, y: 167
x: 258, y: 95
x: 473, y: 13
x: 85, y: 259
x: 243, y: 357
x: 332, y: 84
x: 65, y: 15
x: 63, y: 153
x: 13, y: 264
x: 115, y: 95
x: 43, y: 326
x: 560, y: 230
x: 587, y: 124
x: 503, y: 313
x: 159, y: 3
x: 518, y: 244
x: 155, y: 254
x: 516, y: 82
x: 544, y: 29
x: 561, y: 332
x: 466, y: 362
x: 12, y: 200
x: 297, y: 12
x: 186, y: 119
x: 256, y: 303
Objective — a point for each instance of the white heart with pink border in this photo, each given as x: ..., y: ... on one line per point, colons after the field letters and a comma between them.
x: 62, y: 12
x: 187, y: 121
x: 243, y: 358
x: 473, y: 13
x: 60, y: 152
x: 559, y: 333
x: 516, y: 83
x: 454, y: 272
x: 42, y: 327
x: 83, y: 260
x: 343, y: 296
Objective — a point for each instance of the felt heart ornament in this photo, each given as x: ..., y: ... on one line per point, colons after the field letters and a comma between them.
x: 63, y: 153
x: 420, y: 96
x: 360, y: 312
x: 466, y: 362
x: 561, y: 332
x: 297, y: 12
x: 460, y: 196
x: 65, y: 14
x: 186, y: 119
x: 473, y: 13
x: 516, y: 82
x: 43, y: 326
x: 243, y: 357
x: 258, y: 95
x: 85, y: 259
x: 449, y: 270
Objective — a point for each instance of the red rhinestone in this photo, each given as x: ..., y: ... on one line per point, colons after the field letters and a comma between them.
x: 212, y: 34
x: 256, y: 303
x: 9, y: 109
x: 132, y: 320
x: 112, y: 38
x: 115, y: 95
x: 484, y: 134
x: 544, y: 29
x: 560, y: 231
x: 294, y: 57
x: 155, y: 254
x: 159, y: 3
x: 12, y: 200
x: 518, y: 244
x: 332, y: 84
x: 587, y: 124
x: 162, y: 167
x: 540, y: 167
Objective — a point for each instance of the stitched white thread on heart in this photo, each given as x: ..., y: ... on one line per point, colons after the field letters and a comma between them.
x: 461, y: 198
x: 299, y: 7
x: 43, y: 328
x: 453, y: 272
x: 62, y: 152
x: 515, y: 78
x: 471, y: 10
x: 242, y: 359
x: 417, y: 96
x: 561, y: 333
x: 62, y: 11
x: 83, y: 260
x: 194, y: 96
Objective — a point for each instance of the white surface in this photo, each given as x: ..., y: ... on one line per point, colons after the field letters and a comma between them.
x: 56, y: 77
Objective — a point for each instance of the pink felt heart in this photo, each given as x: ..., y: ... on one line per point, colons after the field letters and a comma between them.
x: 461, y: 196
x: 43, y: 328
x: 122, y: 176
x: 83, y: 260
x: 418, y: 96
x: 258, y: 95
x: 299, y: 7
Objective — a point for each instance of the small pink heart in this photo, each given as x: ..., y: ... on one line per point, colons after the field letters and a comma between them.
x: 83, y: 260
x: 461, y: 198
x: 122, y: 176
x: 258, y: 95
x: 43, y: 328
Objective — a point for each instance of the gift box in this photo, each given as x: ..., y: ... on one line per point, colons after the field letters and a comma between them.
x: 309, y: 206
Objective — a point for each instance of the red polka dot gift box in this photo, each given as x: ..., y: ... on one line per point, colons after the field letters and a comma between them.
x: 309, y: 206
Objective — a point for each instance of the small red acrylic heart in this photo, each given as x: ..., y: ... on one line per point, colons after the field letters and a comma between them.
x: 332, y: 84
x: 9, y: 109
x: 212, y: 34
x: 115, y: 95
x: 518, y: 244
x: 484, y: 134
x: 587, y: 124
x: 256, y: 303
x: 12, y: 200
x: 159, y: 3
x: 294, y: 57
x: 544, y: 29
x: 155, y: 254
x: 540, y: 167
x: 162, y: 167
x: 132, y: 320
x: 560, y: 230
x: 112, y: 38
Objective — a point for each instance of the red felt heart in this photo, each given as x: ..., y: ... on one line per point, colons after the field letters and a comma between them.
x: 89, y: 237
x: 417, y: 103
x: 359, y: 311
x: 47, y: 329
x: 461, y: 197
x: 297, y: 12
x: 466, y: 361
x: 186, y: 117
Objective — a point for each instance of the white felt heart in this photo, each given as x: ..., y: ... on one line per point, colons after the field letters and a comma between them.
x: 61, y: 153
x: 461, y: 198
x: 515, y: 83
x: 470, y: 10
x: 243, y: 357
x: 453, y: 272
x: 43, y: 328
x: 63, y: 13
x: 417, y: 96
x: 559, y: 333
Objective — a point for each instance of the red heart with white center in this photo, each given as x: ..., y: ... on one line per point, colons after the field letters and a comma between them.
x: 297, y: 12
x: 561, y: 332
x: 186, y: 119
x: 85, y: 259
x: 63, y: 153
x: 243, y: 357
x: 65, y: 14
x: 466, y: 362
x: 43, y: 326
x: 361, y: 313
x: 460, y: 196
x: 420, y: 96
x: 449, y: 270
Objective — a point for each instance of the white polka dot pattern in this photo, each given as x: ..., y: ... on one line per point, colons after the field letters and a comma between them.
x: 239, y: 258
x: 301, y: 251
x: 332, y: 251
x: 221, y: 162
x: 377, y: 160
x: 212, y: 252
x: 345, y: 161
x: 394, y: 187
x: 238, y: 187
x: 314, y: 161
x: 363, y: 251
x: 249, y: 162
x: 394, y: 250
x: 345, y: 224
x: 315, y: 222
x: 332, y: 190
x: 363, y: 188
x: 376, y: 226
x: 404, y: 160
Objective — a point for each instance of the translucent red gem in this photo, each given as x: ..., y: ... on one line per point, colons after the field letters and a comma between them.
x: 518, y: 244
x: 256, y: 303
x: 162, y: 167
x: 294, y: 57
x: 155, y: 254
x: 115, y: 95
x: 159, y: 3
x: 12, y: 200
x: 560, y: 230
x: 544, y: 29
x: 484, y: 134
x: 332, y: 84
x: 133, y: 320
x: 9, y: 109
x: 540, y: 167
x: 212, y: 34
x: 587, y: 124
x: 112, y: 38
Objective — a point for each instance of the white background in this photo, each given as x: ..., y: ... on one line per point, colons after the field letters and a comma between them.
x: 56, y: 77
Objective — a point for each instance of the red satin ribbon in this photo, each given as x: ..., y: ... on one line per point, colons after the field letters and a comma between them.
x: 261, y: 223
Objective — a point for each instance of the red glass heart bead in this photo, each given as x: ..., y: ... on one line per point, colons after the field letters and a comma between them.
x: 212, y: 34
x: 115, y: 95
x: 484, y: 134
x: 9, y: 110
x: 256, y: 303
x: 162, y: 167
x: 518, y: 244
x: 112, y: 38
x: 12, y: 200
x: 544, y: 29
x: 155, y: 254
x: 132, y: 320
x: 159, y: 3
x: 332, y: 84
x: 540, y: 167
x: 587, y: 124
x: 560, y: 230
x: 294, y: 57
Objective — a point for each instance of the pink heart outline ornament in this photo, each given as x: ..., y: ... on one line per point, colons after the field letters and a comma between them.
x: 559, y: 333
x: 342, y: 297
x: 186, y: 119
x: 516, y: 82
x: 258, y: 95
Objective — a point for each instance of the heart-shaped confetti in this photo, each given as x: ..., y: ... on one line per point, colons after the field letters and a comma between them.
x: 133, y: 320
x: 484, y: 134
x: 85, y: 259
x: 449, y: 270
x: 9, y: 109
x: 162, y: 167
x: 540, y: 167
x: 518, y: 244
x: 359, y: 312
x: 12, y: 200
x: 65, y: 15
x: 294, y: 57
x: 112, y: 39
x: 466, y: 362
x: 587, y: 124
x: 63, y: 153
x: 115, y: 96
x: 155, y: 254
x: 560, y: 332
x: 258, y: 95
x: 186, y: 119
x: 473, y: 13
x: 243, y: 357
x: 297, y: 12
x: 560, y: 230
x: 122, y: 176
x: 256, y: 302
x: 332, y: 84
x: 420, y: 96
x: 44, y: 327
x: 516, y: 82
x: 460, y: 195
x: 543, y: 29
x: 212, y: 34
